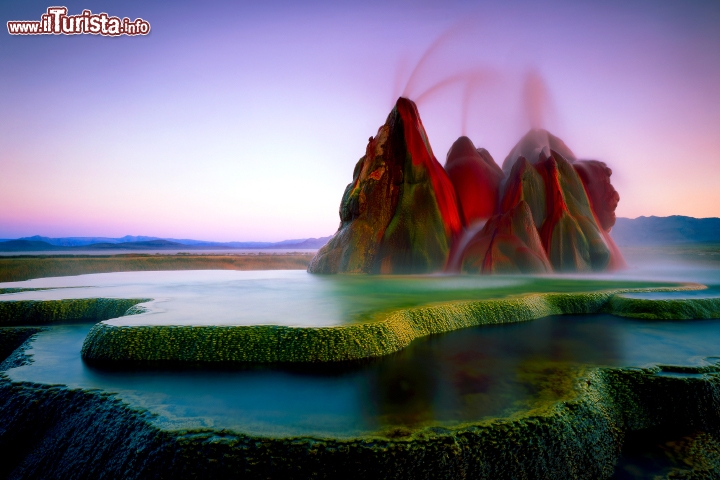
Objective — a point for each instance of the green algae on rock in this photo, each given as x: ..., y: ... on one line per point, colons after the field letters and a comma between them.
x: 508, y: 243
x: 13, y: 337
x: 399, y: 214
x: 38, y: 312
x: 665, y: 309
x: 82, y: 433
x: 273, y: 343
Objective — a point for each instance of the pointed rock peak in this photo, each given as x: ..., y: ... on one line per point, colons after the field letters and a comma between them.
x: 559, y: 157
x: 462, y: 148
x: 407, y: 108
x: 521, y: 164
x: 509, y: 243
x: 534, y: 143
x: 415, y: 136
x: 525, y: 183
x: 476, y: 179
x: 424, y: 163
x: 399, y: 214
x: 490, y: 161
x: 543, y: 155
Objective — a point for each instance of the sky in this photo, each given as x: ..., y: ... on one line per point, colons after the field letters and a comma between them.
x: 243, y: 121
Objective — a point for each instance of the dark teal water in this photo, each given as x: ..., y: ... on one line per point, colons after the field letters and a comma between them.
x: 462, y: 376
x: 447, y: 379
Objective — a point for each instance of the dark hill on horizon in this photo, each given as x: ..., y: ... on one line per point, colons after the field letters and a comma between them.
x: 22, y: 245
x: 70, y: 244
x: 83, y: 241
x: 26, y: 246
x: 140, y: 245
x: 673, y: 230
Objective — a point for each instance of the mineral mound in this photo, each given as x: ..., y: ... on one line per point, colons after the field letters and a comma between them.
x: 543, y: 211
x: 565, y: 205
x: 508, y: 243
x: 476, y: 178
x: 399, y: 214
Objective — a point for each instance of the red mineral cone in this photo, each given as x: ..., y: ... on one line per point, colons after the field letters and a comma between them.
x: 399, y: 214
x: 426, y: 165
x: 561, y: 236
x: 509, y: 243
x: 476, y: 178
x: 570, y: 234
x: 603, y: 197
x: 525, y: 184
x: 533, y: 144
x: 565, y: 206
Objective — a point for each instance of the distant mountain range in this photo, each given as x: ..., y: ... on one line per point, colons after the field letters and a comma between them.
x: 69, y: 244
x: 674, y: 230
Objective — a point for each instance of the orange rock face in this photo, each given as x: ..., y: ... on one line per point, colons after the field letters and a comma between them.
x: 476, y: 178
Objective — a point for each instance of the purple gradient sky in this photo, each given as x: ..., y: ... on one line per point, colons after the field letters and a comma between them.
x: 243, y: 120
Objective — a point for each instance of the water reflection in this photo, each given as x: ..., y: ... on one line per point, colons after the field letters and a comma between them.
x: 487, y: 371
x: 443, y: 380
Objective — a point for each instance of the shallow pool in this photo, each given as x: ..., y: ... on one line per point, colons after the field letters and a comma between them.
x: 444, y: 380
x: 290, y: 297
x: 462, y: 376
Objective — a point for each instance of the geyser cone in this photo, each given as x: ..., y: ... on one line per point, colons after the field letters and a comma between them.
x: 566, y: 205
x: 570, y: 233
x: 603, y: 197
x: 525, y: 184
x: 399, y: 214
x: 476, y: 178
x: 509, y: 243
x: 536, y: 145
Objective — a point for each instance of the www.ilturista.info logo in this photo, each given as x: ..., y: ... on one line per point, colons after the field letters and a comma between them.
x: 56, y: 21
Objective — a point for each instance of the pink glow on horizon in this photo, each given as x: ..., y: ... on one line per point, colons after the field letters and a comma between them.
x: 248, y: 126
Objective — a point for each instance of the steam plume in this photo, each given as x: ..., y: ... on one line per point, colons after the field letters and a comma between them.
x: 536, y: 99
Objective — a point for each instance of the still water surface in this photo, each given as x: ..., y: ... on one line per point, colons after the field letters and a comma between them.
x: 290, y: 297
x: 461, y: 376
x: 448, y: 379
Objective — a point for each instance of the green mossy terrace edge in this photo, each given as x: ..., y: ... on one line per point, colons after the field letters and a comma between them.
x: 11, y: 338
x: 273, y: 343
x: 40, y: 312
x: 579, y: 437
